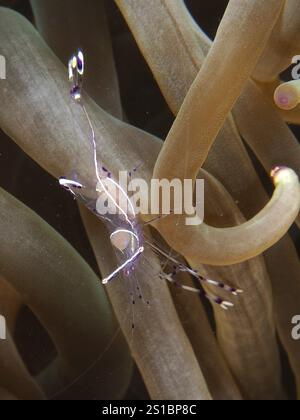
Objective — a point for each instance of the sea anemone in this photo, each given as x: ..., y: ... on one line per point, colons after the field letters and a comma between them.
x: 226, y: 128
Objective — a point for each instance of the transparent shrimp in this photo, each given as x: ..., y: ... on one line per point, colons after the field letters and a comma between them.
x: 123, y: 223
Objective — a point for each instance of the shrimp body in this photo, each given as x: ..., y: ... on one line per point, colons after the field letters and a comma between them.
x: 125, y: 233
x: 123, y: 226
x: 110, y: 202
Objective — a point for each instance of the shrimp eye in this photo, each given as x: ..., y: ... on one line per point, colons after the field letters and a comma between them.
x: 80, y: 63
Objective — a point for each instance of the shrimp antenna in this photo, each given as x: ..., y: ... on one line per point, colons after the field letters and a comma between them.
x: 76, y: 73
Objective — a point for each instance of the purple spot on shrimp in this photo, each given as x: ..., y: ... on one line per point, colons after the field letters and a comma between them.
x: 75, y: 90
x: 79, y: 64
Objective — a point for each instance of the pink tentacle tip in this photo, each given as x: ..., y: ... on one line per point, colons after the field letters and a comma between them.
x: 282, y: 99
x: 276, y: 172
x: 286, y: 97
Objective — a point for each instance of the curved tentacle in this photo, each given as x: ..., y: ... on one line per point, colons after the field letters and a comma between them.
x: 246, y: 333
x: 199, y: 121
x: 85, y: 27
x: 14, y: 376
x: 31, y: 252
x: 283, y: 44
x: 292, y: 117
x: 223, y: 153
x: 287, y: 95
x: 59, y: 150
x: 175, y: 78
x: 226, y: 246
x: 220, y: 381
x: 269, y: 137
x: 10, y: 303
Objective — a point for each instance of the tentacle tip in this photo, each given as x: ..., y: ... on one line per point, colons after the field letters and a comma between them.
x: 279, y: 174
x: 286, y: 96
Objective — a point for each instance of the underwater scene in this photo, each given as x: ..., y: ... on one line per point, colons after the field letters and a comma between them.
x: 149, y: 202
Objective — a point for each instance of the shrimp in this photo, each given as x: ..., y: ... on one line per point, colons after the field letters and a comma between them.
x: 120, y: 216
